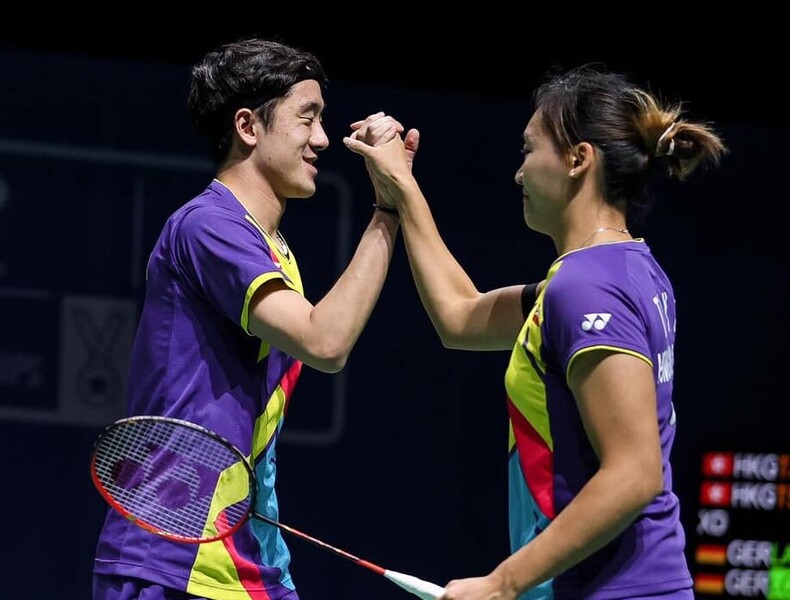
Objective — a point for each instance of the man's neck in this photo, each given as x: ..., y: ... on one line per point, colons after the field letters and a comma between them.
x: 255, y: 194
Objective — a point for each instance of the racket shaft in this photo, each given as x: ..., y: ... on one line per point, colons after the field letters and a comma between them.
x: 364, y: 563
x: 419, y: 587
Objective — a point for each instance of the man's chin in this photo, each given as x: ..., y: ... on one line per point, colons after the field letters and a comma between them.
x: 303, y: 193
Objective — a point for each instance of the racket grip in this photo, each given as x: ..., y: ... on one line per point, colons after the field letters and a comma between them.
x: 419, y: 587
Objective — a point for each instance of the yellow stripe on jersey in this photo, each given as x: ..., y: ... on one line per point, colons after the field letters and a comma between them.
x: 211, y: 580
x: 610, y: 349
x: 287, y: 265
x: 266, y: 425
x: 253, y: 287
x: 214, y: 557
x: 523, y: 378
x: 287, y: 262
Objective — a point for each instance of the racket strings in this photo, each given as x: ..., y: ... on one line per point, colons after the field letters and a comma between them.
x: 167, y: 475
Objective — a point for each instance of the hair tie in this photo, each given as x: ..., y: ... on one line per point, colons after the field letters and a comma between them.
x: 663, y: 136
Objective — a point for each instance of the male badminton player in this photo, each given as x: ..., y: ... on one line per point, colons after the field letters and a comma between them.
x: 225, y: 326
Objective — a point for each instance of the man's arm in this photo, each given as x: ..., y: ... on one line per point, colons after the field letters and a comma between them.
x: 323, y: 335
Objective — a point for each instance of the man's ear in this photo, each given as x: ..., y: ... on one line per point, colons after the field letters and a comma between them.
x: 243, y: 125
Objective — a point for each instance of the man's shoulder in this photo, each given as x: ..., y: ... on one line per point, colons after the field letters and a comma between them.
x: 212, y: 201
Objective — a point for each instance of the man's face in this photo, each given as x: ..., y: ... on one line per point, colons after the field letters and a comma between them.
x: 289, y: 147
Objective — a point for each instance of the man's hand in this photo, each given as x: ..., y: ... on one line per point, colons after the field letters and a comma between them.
x: 378, y: 129
x: 389, y: 164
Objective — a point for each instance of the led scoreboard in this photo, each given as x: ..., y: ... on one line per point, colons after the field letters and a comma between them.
x: 741, y: 545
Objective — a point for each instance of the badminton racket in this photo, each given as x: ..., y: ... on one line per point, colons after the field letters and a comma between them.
x: 188, y: 484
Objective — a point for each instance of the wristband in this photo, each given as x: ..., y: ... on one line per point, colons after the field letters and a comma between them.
x: 391, y: 210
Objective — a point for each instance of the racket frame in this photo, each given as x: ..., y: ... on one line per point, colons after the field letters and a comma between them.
x: 423, y: 589
x: 143, y: 419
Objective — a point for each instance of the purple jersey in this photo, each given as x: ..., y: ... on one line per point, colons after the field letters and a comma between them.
x: 194, y: 359
x: 614, y: 297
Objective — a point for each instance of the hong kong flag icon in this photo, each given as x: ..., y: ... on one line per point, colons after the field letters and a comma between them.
x: 717, y: 464
x: 715, y: 493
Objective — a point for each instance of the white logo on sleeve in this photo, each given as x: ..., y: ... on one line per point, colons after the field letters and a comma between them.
x: 595, y: 321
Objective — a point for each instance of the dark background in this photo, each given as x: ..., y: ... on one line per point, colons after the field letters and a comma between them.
x: 414, y: 476
x: 728, y: 64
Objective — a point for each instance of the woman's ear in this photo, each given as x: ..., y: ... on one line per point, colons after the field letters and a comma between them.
x: 580, y: 158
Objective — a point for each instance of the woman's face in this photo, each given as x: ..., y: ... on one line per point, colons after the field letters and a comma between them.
x: 543, y: 177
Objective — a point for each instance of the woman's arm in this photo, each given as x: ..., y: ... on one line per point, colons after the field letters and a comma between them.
x: 464, y: 317
x: 615, y: 393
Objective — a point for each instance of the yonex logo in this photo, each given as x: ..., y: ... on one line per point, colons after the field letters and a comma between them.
x: 595, y: 321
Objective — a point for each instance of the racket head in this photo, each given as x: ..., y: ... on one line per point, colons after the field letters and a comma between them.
x: 173, y: 478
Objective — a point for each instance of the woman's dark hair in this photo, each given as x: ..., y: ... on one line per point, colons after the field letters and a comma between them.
x: 250, y: 72
x: 634, y: 131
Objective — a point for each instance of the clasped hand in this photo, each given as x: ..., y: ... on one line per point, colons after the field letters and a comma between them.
x: 388, y: 157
